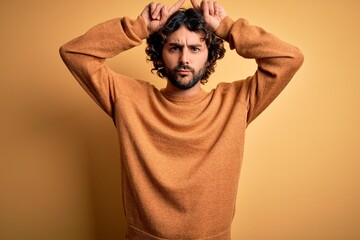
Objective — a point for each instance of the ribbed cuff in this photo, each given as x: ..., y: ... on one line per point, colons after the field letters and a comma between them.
x: 224, y: 28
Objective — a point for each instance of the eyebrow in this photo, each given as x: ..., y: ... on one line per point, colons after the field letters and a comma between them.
x: 182, y: 45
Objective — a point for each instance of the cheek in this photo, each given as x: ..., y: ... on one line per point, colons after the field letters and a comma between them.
x: 203, y: 61
x: 169, y: 60
x: 205, y: 56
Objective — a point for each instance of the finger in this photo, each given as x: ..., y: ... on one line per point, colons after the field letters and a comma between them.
x: 152, y: 8
x: 211, y: 7
x: 176, y: 6
x: 216, y: 8
x: 221, y: 13
x: 164, y: 12
x: 196, y: 5
x: 205, y: 7
x: 156, y: 13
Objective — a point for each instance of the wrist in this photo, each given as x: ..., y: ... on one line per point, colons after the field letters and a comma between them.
x: 144, y: 26
x: 223, y: 30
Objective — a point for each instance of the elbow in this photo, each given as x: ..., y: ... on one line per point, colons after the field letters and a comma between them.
x: 66, y: 55
x: 63, y: 52
x: 298, y: 59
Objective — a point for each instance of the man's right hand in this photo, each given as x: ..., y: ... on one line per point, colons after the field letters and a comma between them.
x: 156, y: 14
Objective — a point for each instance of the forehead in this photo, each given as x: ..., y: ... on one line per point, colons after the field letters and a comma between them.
x: 184, y: 35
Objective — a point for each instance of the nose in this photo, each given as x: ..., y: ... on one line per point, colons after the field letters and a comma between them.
x: 184, y: 57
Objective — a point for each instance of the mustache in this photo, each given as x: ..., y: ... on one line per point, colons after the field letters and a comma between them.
x: 184, y: 67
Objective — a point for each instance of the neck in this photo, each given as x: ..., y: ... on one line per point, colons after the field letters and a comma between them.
x: 171, y: 89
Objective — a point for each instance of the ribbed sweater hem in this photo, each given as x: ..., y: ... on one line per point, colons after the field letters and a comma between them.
x: 136, y: 234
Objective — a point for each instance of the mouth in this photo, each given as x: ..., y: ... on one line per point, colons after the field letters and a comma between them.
x: 185, y: 68
x: 183, y: 71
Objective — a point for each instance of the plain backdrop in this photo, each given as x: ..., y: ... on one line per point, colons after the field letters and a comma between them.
x: 59, y: 156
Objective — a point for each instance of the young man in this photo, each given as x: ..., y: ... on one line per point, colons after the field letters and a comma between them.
x: 181, y: 147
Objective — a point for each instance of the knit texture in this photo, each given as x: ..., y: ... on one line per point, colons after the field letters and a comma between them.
x: 181, y: 157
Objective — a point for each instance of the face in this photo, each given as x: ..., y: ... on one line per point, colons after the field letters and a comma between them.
x: 185, y: 58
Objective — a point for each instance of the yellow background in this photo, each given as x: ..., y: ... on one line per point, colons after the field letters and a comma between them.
x: 59, y: 167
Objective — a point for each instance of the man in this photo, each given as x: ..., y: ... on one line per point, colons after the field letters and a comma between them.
x: 181, y: 147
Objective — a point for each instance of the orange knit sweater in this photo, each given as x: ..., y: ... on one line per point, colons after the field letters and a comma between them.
x: 181, y: 157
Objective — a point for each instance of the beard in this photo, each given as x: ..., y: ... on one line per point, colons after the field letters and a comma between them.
x: 179, y: 80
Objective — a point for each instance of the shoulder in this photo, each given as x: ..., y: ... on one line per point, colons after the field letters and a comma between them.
x: 227, y: 87
x: 236, y: 92
x: 128, y: 87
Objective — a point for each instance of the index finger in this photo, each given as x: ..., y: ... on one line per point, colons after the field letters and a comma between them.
x: 176, y: 6
x: 196, y: 4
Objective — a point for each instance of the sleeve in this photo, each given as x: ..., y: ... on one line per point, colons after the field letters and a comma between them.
x: 277, y: 62
x: 85, y: 56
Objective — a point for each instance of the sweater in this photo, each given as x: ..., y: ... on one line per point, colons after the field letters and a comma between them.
x: 180, y: 156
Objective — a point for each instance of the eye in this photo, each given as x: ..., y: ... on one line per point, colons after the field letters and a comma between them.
x: 174, y: 48
x: 195, y: 49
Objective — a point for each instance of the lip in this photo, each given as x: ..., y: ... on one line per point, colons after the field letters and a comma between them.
x: 183, y: 71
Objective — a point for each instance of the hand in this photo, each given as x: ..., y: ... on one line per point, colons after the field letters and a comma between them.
x: 156, y: 14
x: 213, y: 12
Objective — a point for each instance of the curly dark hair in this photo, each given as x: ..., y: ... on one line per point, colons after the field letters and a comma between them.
x: 193, y: 20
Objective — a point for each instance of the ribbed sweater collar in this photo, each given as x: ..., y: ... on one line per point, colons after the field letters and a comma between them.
x: 183, y: 99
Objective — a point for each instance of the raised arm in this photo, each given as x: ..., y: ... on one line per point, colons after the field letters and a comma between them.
x: 277, y: 60
x: 85, y: 55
